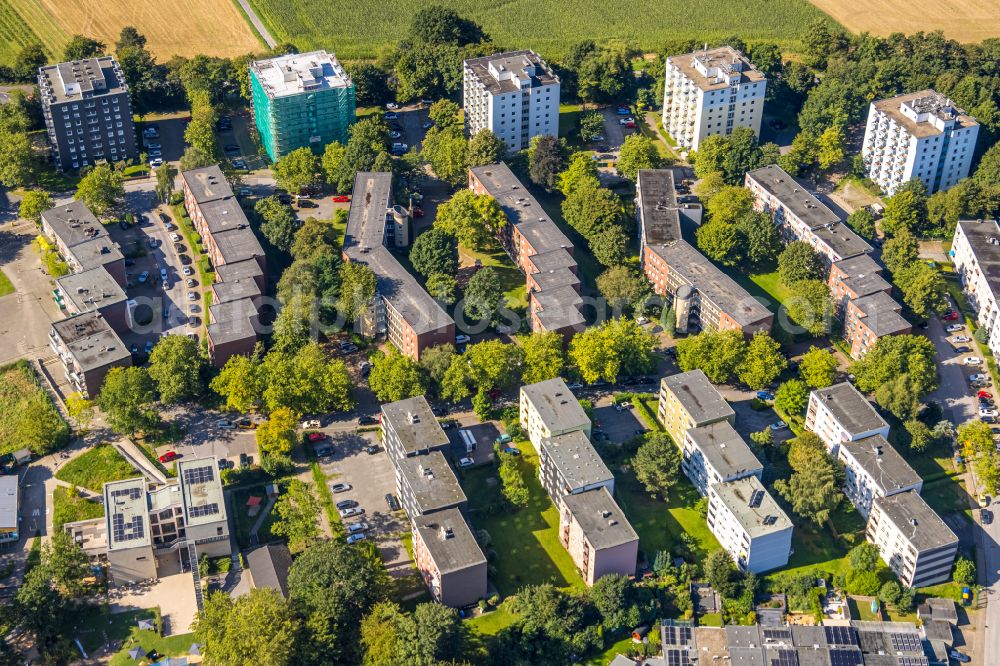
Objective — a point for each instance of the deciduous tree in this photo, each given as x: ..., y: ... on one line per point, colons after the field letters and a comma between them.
x: 240, y: 382
x: 297, y: 511
x: 126, y: 398
x: 543, y: 356
x: 101, y: 189
x: 357, y: 289
x: 483, y: 295
x: 799, y: 261
x: 474, y: 219
x: 484, y: 148
x: 434, y: 251
x: 716, y: 353
x: 792, y: 396
x: 638, y: 152
x: 810, y: 306
x: 656, y: 464
x: 545, y: 161
x: 258, y: 627
x: 175, y: 367
x: 395, y: 376
x: 762, y: 362
x: 33, y: 204
x: 818, y: 368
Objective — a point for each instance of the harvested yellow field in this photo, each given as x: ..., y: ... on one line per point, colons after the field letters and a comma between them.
x: 171, y: 27
x: 963, y: 20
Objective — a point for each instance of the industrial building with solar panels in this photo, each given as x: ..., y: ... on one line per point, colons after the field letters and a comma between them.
x: 148, y: 526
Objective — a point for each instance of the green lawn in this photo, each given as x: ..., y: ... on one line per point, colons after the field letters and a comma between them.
x: 69, y: 508
x: 944, y: 590
x: 28, y: 416
x: 569, y: 117
x: 660, y: 529
x: 861, y: 610
x: 96, y: 467
x: 244, y: 521
x: 492, y: 623
x: 6, y: 287
x: 512, y: 280
x: 710, y: 620
x: 169, y: 646
x: 526, y: 541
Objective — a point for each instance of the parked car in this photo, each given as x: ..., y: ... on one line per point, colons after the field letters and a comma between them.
x: 512, y: 450
x: 240, y: 164
x: 168, y: 456
x: 155, y: 152
x: 961, y: 338
x: 156, y: 162
x: 371, y: 449
x: 979, y: 377
x: 225, y: 424
x: 625, y: 121
x: 347, y: 504
x: 462, y: 339
x: 340, y: 487
x: 427, y: 125
x: 984, y: 499
x: 392, y: 106
x: 972, y: 360
x: 391, y: 502
x: 340, y: 198
x: 231, y: 148
x: 192, y: 296
x: 984, y: 394
x: 623, y: 110
x: 316, y: 437
x: 988, y: 412
x: 954, y: 328
x: 311, y: 423
x: 960, y: 656
x: 149, y: 346
x: 502, y: 439
x: 394, y: 134
x: 963, y: 349
x: 574, y: 386
x: 246, y: 424
x: 779, y: 425
x: 354, y: 528
x: 950, y: 316
x: 391, y: 115
x: 418, y: 212
x: 187, y: 270
x: 367, y: 420
x: 353, y: 511
x: 466, y: 462
x: 191, y: 282
x: 766, y: 396
x: 143, y: 276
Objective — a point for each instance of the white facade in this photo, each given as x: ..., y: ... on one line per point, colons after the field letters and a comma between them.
x: 839, y: 413
x: 912, y: 540
x: 873, y: 468
x: 975, y: 251
x: 549, y: 409
x: 715, y: 454
x: 749, y: 524
x: 711, y: 92
x: 919, y: 135
x: 515, y: 95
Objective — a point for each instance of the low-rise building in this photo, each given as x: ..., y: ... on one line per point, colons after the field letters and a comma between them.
x: 688, y: 400
x: 233, y: 329
x: 715, y: 453
x: 88, y: 348
x: 82, y: 241
x: 870, y: 318
x: 597, y: 535
x: 10, y: 516
x: 95, y: 290
x: 569, y: 464
x: 409, y: 428
x: 749, y: 524
x: 426, y: 484
x: 921, y: 135
x: 873, y: 468
x: 855, y: 278
x: 912, y: 540
x: 801, y: 216
x: 839, y: 413
x: 268, y: 567
x: 549, y: 409
x: 449, y: 559
x: 975, y: 251
x: 402, y: 311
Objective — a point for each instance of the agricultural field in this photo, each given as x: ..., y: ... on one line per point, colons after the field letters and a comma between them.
x: 963, y: 20
x: 179, y: 27
x: 549, y: 26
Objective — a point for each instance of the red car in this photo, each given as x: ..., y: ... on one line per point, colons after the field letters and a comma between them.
x: 168, y: 456
x: 340, y: 198
x: 418, y: 212
x: 984, y: 394
x: 951, y: 316
x: 315, y: 437
x: 629, y: 125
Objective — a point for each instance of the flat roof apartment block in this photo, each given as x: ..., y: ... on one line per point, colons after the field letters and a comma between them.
x: 549, y: 409
x: 659, y: 210
x: 82, y: 241
x: 839, y: 413
x: 716, y: 453
x: 569, y: 464
x: 449, y: 558
x: 855, y: 278
x: 912, y: 539
x: 975, y: 251
x: 95, y: 290
x: 427, y: 484
x: 515, y: 95
x: 688, y: 400
x: 749, y: 524
x: 402, y: 311
x: 921, y: 135
x: 711, y: 92
x: 88, y: 348
x: 87, y: 112
x: 873, y: 468
x: 301, y: 100
x: 801, y: 216
x: 597, y: 535
x: 409, y: 428
x: 870, y: 318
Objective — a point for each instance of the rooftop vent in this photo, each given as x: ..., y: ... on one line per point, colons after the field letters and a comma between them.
x: 605, y: 514
x: 412, y: 418
x: 447, y: 533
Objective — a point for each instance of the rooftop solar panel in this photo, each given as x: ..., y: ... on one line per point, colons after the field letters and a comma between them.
x: 905, y: 642
x: 912, y: 661
x: 845, y: 657
x: 677, y: 635
x: 838, y: 635
x: 205, y: 510
x: 777, y: 635
x: 130, y: 493
x: 129, y: 530
x: 784, y: 658
x: 199, y: 474
x: 677, y: 657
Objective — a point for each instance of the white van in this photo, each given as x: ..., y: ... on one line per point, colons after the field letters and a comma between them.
x: 468, y: 439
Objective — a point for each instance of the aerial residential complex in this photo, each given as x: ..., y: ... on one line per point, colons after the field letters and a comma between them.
x: 549, y: 409
x: 569, y: 464
x: 597, y: 535
x: 873, y: 468
x: 301, y: 100
x: 235, y: 320
x: 536, y: 245
x: 688, y: 400
x: 840, y: 413
x: 855, y: 278
x: 402, y: 311
x: 711, y: 92
x: 409, y: 428
x: 911, y: 539
x: 426, y: 484
x: 975, y: 251
x: 749, y: 524
x: 82, y: 241
x: 869, y: 318
x: 918, y: 135
x: 88, y: 348
x: 716, y: 453
x: 515, y: 95
x: 87, y: 111
x: 449, y: 558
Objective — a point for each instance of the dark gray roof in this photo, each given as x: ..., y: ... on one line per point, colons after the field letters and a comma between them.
x: 363, y: 243
x: 78, y: 79
x: 73, y: 223
x: 91, y: 290
x: 938, y: 609
x: 560, y: 317
x: 553, y: 279
x: 810, y: 656
x: 237, y: 270
x: 207, y: 183
x: 423, y: 433
x: 223, y: 214
x: 711, y: 283
x: 576, y: 459
x: 238, y: 244
x: 743, y: 636
x: 938, y: 630
x: 882, y: 462
x: 269, y: 567
x: 854, y: 413
x: 744, y: 656
x: 603, y: 523
x: 916, y: 520
x: 232, y: 321
x: 557, y: 298
x: 91, y: 340
x: 658, y: 205
x: 235, y: 290
x: 554, y: 260
x: 724, y: 449
x: 865, y: 284
x: 979, y: 234
x: 844, y: 242
x: 449, y: 553
x: 556, y: 405
x: 97, y: 252
x: 794, y: 195
x: 862, y: 264
x: 523, y: 65
x: 432, y: 482
x: 699, y: 398
x: 808, y: 636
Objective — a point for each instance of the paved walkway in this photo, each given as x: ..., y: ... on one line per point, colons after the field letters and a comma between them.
x: 261, y: 517
x: 138, y: 459
x: 258, y: 24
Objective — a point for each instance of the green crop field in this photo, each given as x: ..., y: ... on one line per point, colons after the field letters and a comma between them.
x: 355, y: 30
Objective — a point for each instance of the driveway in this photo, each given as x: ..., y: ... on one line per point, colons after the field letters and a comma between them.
x: 954, y: 394
x: 174, y: 595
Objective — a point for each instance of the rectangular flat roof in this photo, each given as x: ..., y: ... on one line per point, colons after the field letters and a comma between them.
x: 300, y: 74
x: 91, y: 340
x: 658, y: 206
x: 764, y: 518
x: 698, y: 397
x: 238, y: 244
x: 207, y: 183
x: 794, y: 195
x: 97, y: 252
x: 556, y: 405
x: 720, y: 58
x: 882, y: 314
x: 553, y: 279
x: 576, y: 459
x: 724, y: 449
x: 432, y: 481
x: 201, y: 490
x: 916, y: 520
x: 556, y: 319
x: 603, y: 523
x: 513, y: 68
x: 127, y: 514
x: 91, y: 290
x: 841, y: 240
x: 559, y: 297
x: 866, y: 284
x: 78, y: 79
x: 223, y: 214
x: 929, y: 101
x: 851, y: 409
x: 711, y: 283
x: 449, y: 540
x: 232, y: 321
x: 73, y: 223
x: 235, y: 290
x: 415, y: 424
x: 8, y: 502
x: 238, y: 270
x: 553, y: 260
x: 882, y: 462
x: 363, y: 243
